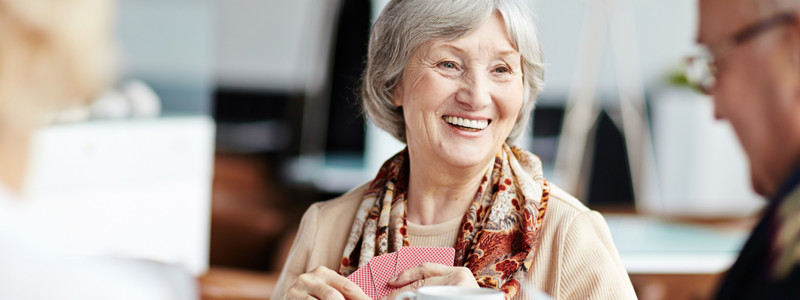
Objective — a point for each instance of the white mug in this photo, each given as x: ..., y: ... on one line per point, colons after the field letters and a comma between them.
x: 452, y: 293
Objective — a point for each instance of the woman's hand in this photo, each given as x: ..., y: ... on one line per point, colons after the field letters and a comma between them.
x: 431, y: 274
x: 322, y: 283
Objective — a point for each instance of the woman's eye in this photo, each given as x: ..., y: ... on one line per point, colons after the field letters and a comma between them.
x: 447, y: 65
x: 502, y: 69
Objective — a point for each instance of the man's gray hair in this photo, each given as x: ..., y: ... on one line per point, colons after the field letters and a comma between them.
x: 767, y: 8
x: 404, y: 25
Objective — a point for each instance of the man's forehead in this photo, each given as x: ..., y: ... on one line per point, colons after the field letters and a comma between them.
x: 721, y: 18
x: 717, y: 19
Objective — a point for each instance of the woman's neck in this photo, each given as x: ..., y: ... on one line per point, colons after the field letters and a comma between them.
x: 13, y: 159
x: 438, y: 192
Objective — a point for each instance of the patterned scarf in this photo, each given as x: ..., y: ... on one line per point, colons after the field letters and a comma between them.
x: 499, y: 232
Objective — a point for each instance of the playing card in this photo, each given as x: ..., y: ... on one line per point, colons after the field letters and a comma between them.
x: 383, y: 268
x: 373, y: 278
x: 409, y: 257
x: 363, y: 278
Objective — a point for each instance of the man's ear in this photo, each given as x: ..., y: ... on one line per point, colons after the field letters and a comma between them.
x: 795, y: 50
x: 796, y: 39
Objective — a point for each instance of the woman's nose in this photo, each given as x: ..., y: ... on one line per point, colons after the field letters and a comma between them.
x: 475, y: 91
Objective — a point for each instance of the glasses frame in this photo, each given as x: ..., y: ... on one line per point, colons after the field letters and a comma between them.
x: 705, y: 60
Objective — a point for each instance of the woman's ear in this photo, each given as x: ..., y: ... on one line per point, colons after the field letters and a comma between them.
x: 397, y: 95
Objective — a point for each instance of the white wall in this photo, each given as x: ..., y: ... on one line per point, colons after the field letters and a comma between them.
x: 264, y: 44
x: 170, y: 45
x: 664, y: 31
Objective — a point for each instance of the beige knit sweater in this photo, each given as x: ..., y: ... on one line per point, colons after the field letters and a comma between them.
x: 576, y: 259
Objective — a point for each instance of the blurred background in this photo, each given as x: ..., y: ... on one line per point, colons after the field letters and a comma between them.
x: 251, y: 114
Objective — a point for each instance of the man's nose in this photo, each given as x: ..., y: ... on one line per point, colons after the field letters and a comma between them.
x: 718, y: 115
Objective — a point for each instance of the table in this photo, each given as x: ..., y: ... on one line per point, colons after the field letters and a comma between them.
x: 670, y: 258
x: 235, y: 284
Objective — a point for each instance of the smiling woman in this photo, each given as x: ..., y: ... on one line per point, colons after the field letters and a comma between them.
x: 474, y: 79
x: 456, y: 81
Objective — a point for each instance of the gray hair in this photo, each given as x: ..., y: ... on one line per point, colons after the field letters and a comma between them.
x: 404, y: 25
x: 766, y: 8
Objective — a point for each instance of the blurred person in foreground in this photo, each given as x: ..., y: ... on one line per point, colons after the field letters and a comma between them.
x: 456, y: 81
x: 750, y: 64
x: 54, y: 55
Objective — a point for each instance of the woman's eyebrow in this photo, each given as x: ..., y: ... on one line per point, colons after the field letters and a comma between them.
x: 507, y: 53
x: 448, y: 46
x: 500, y: 53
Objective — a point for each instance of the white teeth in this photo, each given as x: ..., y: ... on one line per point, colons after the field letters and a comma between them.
x: 474, y: 124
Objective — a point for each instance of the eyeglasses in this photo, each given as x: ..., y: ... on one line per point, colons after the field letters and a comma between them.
x: 700, y: 69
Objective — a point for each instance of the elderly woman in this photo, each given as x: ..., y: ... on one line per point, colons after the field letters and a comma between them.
x: 456, y: 81
x: 55, y: 54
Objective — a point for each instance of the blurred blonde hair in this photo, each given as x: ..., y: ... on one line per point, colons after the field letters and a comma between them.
x: 54, y: 54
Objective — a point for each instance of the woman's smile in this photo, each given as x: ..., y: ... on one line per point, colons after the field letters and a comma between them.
x: 466, y: 123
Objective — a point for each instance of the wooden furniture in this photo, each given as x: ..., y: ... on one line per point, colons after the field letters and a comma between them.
x: 233, y: 284
x: 675, y: 286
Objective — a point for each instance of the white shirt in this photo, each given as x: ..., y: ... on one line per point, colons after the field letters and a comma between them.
x: 34, y: 266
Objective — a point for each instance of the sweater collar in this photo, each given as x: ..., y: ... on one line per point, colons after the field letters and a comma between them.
x: 791, y: 183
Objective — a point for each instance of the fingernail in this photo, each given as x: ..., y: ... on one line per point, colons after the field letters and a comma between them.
x: 393, y: 279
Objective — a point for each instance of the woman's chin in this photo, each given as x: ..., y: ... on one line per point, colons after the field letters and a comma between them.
x: 468, y: 155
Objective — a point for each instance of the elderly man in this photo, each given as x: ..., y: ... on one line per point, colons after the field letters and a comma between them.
x: 751, y: 66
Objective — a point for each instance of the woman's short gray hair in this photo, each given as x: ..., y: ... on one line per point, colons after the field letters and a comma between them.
x: 404, y: 25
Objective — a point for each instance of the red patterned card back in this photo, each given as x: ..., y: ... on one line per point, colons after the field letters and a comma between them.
x: 363, y: 278
x: 383, y: 268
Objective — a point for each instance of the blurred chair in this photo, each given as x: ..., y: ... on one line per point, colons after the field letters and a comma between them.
x: 614, y: 17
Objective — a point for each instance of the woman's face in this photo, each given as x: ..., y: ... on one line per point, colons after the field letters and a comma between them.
x: 461, y: 98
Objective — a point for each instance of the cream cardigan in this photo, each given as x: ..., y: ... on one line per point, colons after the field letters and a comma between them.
x: 576, y: 259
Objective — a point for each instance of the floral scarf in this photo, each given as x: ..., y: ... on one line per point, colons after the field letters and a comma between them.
x: 499, y: 232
